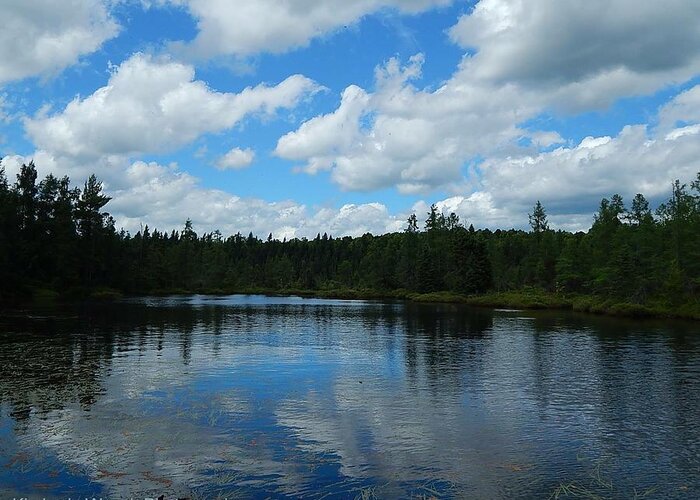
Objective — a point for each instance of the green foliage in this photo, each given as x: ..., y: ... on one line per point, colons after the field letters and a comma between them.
x: 412, y: 226
x: 528, y: 298
x: 57, y: 238
x: 538, y: 218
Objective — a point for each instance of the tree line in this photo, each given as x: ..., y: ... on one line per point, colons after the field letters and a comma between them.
x: 58, y: 237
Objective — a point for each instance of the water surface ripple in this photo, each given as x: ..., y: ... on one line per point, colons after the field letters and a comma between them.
x: 247, y: 396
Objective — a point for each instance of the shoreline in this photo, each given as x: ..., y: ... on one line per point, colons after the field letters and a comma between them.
x: 532, y: 299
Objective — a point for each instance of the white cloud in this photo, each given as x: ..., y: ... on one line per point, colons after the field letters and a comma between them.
x: 163, y: 197
x: 585, y: 53
x: 5, y: 116
x: 465, y: 136
x: 45, y: 164
x: 414, y: 139
x: 247, y: 27
x: 570, y: 181
x: 684, y: 109
x: 574, y: 179
x: 528, y: 58
x: 546, y: 139
x: 235, y: 159
x: 153, y: 106
x: 326, y: 136
x: 45, y: 36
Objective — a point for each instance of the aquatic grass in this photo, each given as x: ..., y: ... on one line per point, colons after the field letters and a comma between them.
x: 597, y: 477
x: 433, y: 493
x: 514, y: 467
x: 105, y: 294
x: 214, y: 417
x: 598, y: 487
x: 369, y: 493
x: 575, y: 490
x: 103, y: 474
x: 228, y: 477
x: 44, y: 296
x: 430, y: 490
x: 229, y: 495
x: 439, y: 488
x: 645, y: 493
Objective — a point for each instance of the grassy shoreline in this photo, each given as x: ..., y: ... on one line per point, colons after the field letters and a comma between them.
x: 516, y: 299
x: 538, y: 299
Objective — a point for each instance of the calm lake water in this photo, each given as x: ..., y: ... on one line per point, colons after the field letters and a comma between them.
x: 248, y: 396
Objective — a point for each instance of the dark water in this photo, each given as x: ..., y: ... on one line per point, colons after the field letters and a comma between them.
x: 281, y: 397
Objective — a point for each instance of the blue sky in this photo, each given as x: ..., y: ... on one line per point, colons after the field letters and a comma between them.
x: 306, y: 116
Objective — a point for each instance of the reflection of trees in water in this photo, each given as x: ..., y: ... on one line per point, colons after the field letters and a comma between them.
x: 628, y: 389
x: 48, y: 362
x: 581, y: 374
x: 444, y: 340
x: 657, y: 370
x: 41, y: 372
x: 51, y: 361
x: 62, y: 362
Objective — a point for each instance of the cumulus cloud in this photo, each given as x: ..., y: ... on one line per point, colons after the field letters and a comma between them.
x: 163, y: 196
x: 683, y: 110
x: 524, y: 59
x: 152, y: 105
x: 5, y: 116
x: 235, y: 159
x: 571, y: 180
x: 586, y: 53
x: 415, y: 139
x: 46, y: 164
x: 322, y: 138
x: 464, y: 136
x: 45, y: 36
x: 247, y: 27
x: 633, y: 162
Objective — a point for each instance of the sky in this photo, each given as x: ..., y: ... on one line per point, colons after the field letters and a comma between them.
x: 295, y: 117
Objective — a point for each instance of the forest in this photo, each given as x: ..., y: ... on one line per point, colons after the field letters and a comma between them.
x: 57, y: 240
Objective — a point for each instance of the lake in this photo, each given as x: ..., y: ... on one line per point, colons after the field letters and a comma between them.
x: 248, y: 396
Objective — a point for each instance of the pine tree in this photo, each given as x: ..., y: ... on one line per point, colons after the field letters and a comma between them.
x: 639, y: 213
x: 538, y: 219
x: 432, y: 223
x: 92, y: 225
x: 412, y: 226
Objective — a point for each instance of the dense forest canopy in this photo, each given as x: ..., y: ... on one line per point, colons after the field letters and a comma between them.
x: 58, y: 237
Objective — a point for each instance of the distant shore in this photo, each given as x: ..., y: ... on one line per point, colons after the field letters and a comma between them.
x: 517, y: 299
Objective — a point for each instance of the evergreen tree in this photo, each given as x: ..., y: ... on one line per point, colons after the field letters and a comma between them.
x: 472, y: 269
x: 452, y: 222
x: 640, y: 213
x: 59, y: 237
x: 538, y: 219
x: 412, y: 226
x: 92, y: 225
x: 8, y: 233
x: 432, y: 223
